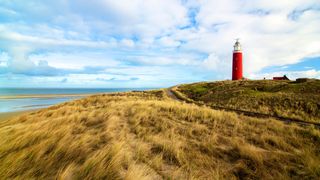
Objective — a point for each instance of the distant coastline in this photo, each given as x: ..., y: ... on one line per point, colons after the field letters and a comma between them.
x: 25, y: 99
x: 43, y: 96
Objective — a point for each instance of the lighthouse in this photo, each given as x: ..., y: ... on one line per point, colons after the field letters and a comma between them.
x: 237, y: 61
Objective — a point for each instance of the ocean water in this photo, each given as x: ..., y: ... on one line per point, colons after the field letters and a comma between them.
x: 13, y: 103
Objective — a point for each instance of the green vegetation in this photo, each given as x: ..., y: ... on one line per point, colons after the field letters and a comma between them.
x: 146, y: 135
x: 291, y: 99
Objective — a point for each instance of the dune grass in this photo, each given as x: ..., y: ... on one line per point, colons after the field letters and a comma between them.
x: 291, y: 99
x: 9, y: 115
x: 146, y: 135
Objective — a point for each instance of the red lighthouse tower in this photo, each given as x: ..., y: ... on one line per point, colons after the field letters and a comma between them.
x: 237, y: 61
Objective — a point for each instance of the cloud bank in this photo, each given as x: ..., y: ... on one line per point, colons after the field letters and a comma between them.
x: 152, y: 43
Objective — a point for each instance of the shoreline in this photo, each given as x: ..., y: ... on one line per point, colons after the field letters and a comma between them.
x: 22, y: 107
x: 44, y: 96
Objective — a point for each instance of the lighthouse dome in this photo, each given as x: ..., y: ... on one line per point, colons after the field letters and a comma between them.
x: 237, y: 46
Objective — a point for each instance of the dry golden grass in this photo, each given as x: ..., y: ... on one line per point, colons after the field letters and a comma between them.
x: 146, y: 135
x: 9, y: 115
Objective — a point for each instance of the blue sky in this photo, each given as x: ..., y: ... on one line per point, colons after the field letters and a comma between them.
x: 154, y: 43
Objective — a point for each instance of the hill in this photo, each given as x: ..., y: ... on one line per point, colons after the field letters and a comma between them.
x: 147, y: 135
x: 290, y: 99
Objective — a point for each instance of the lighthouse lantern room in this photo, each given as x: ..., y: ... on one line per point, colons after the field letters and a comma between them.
x: 237, y: 62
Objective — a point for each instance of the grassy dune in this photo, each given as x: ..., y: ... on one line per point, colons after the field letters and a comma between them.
x: 281, y: 98
x: 146, y: 135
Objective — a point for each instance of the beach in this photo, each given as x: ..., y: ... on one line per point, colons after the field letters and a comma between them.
x: 15, y: 105
x: 12, y: 106
x: 42, y: 96
x: 21, y: 103
x: 16, y: 100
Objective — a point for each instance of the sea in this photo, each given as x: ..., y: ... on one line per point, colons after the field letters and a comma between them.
x: 23, y: 99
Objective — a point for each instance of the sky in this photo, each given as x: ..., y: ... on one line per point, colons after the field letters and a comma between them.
x: 154, y: 43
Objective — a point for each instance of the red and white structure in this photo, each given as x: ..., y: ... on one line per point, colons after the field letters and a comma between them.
x: 237, y: 62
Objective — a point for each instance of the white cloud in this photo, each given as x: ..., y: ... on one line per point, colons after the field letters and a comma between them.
x: 76, y: 60
x: 4, y: 59
x: 164, y: 60
x: 269, y: 39
x: 6, y: 11
x: 127, y: 43
x: 215, y: 63
x: 143, y: 18
x: 169, y: 42
x: 36, y: 41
